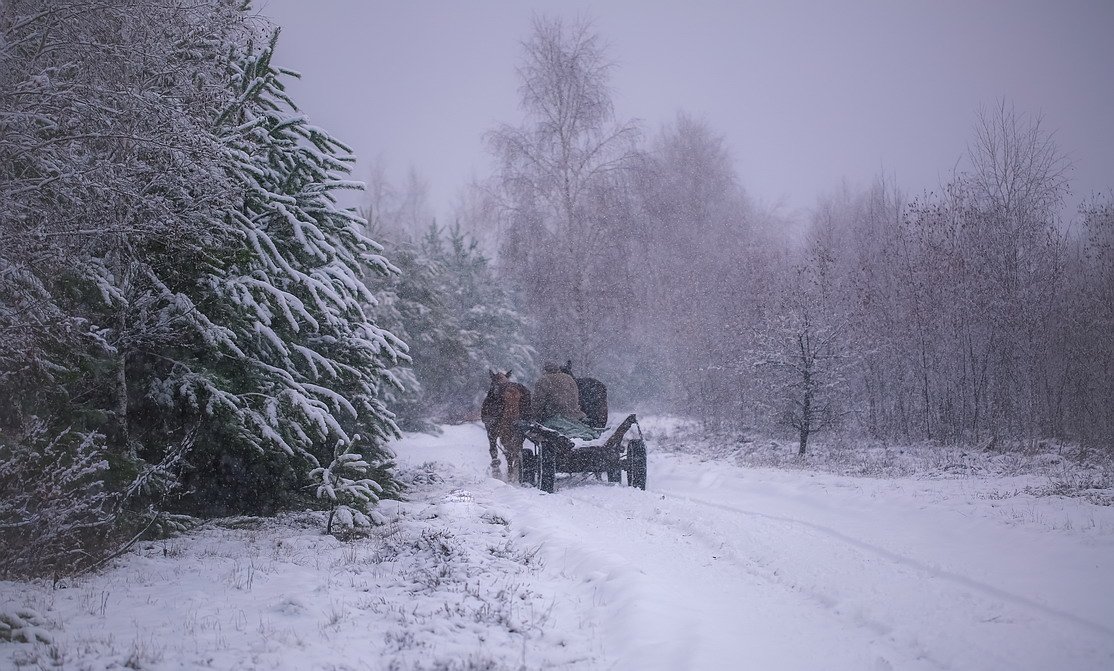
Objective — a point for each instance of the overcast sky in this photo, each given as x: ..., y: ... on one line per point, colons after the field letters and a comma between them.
x: 806, y: 93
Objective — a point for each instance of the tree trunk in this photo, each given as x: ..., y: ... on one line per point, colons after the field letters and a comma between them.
x: 806, y: 415
x: 120, y: 430
x: 119, y: 434
x: 924, y: 391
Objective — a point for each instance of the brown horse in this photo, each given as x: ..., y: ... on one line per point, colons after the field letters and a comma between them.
x: 506, y: 404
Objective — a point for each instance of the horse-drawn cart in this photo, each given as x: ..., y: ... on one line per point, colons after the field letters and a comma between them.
x: 553, y: 451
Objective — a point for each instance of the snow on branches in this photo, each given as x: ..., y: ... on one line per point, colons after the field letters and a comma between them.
x: 300, y: 315
x: 176, y: 276
x: 345, y: 485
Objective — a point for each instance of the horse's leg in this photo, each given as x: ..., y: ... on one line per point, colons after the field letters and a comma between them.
x: 513, y: 445
x: 492, y: 437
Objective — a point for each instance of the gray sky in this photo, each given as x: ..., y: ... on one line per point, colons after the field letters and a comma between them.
x: 807, y: 94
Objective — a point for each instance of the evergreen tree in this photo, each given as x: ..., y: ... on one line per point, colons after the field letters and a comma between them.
x: 180, y: 301
x: 108, y: 167
x: 345, y: 484
x: 292, y: 365
x: 460, y: 323
x: 493, y: 330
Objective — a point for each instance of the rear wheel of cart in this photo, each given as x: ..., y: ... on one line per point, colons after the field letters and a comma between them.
x: 636, y: 464
x: 615, y: 470
x: 615, y: 465
x: 548, y: 466
x: 529, y: 468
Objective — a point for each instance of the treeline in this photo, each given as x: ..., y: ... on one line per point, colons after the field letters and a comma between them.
x: 185, y: 327
x: 971, y: 314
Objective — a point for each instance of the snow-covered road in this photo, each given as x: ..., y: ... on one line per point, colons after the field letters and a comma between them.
x: 714, y: 567
x: 718, y: 567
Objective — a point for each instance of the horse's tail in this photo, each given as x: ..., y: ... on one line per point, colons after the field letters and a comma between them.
x: 524, y: 404
x: 516, y: 407
x: 492, y: 408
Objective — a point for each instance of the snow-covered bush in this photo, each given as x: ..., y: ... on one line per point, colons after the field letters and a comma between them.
x: 346, y: 486
x: 23, y: 625
x: 56, y: 516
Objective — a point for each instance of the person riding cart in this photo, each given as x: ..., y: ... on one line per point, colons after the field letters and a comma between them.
x: 555, y: 404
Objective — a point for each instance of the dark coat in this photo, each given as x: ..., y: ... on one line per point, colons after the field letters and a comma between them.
x: 593, y: 400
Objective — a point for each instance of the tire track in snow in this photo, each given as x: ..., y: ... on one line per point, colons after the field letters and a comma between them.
x: 932, y: 571
x: 998, y: 627
x: 902, y: 621
x: 753, y: 566
x: 619, y: 582
x: 906, y: 652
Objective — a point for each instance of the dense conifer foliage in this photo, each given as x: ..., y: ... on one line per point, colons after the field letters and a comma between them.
x: 459, y: 318
x: 184, y: 326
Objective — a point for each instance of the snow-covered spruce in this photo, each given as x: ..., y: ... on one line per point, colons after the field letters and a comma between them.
x: 175, y: 274
x: 457, y: 318
x: 293, y: 364
x: 342, y: 483
x: 109, y: 172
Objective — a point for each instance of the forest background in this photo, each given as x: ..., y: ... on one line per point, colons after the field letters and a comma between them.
x: 193, y: 324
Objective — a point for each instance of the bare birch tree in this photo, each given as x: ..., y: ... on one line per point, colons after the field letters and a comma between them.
x: 801, y: 352
x: 552, y: 171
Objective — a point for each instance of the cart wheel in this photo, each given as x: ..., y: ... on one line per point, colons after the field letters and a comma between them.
x: 548, y: 463
x: 636, y: 464
x: 615, y: 473
x: 529, y: 475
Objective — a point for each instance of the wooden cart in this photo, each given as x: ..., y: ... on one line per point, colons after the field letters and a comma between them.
x: 551, y: 452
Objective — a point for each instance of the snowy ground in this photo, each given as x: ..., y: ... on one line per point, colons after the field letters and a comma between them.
x: 717, y: 566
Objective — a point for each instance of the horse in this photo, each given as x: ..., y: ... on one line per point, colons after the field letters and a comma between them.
x: 506, y: 404
x: 593, y: 397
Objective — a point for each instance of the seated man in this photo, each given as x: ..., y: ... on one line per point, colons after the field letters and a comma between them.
x: 555, y: 403
x: 555, y: 395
